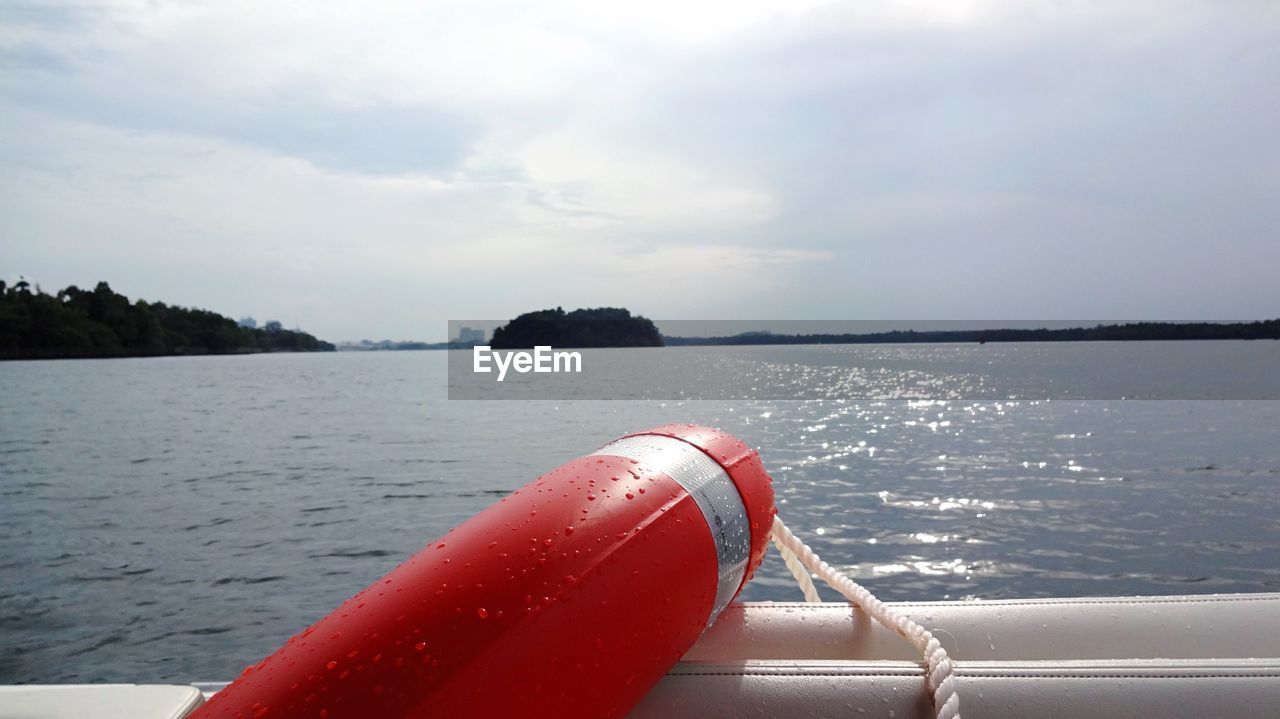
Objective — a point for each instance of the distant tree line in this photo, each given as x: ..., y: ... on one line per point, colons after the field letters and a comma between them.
x: 1261, y: 330
x: 599, y: 327
x: 102, y: 323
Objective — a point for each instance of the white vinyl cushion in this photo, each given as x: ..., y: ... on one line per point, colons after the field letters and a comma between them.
x: 1091, y: 658
x: 1175, y: 627
x: 1170, y: 689
x: 98, y: 701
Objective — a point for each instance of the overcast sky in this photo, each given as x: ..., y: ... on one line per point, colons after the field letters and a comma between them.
x: 374, y: 169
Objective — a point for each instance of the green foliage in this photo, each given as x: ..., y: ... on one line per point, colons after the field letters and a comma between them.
x: 101, y: 323
x: 600, y: 327
x: 1134, y: 331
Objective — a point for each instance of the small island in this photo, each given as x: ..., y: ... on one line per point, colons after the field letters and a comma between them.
x: 78, y: 323
x: 583, y: 328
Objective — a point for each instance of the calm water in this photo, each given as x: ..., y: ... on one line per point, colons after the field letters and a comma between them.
x: 1025, y: 370
x: 176, y: 519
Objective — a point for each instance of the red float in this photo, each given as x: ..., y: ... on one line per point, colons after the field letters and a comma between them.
x: 570, y: 597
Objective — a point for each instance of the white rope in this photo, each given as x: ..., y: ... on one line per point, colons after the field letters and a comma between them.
x: 802, y: 560
x: 798, y: 570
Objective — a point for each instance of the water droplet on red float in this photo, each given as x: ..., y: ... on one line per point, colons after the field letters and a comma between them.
x: 480, y: 612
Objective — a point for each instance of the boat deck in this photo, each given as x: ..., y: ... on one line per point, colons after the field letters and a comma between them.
x: 1180, y: 656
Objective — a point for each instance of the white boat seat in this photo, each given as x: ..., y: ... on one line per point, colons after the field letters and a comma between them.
x: 1170, y: 689
x: 98, y: 701
x: 1090, y: 658
x: 1176, y: 627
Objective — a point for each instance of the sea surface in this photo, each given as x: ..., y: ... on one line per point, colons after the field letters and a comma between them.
x: 175, y: 519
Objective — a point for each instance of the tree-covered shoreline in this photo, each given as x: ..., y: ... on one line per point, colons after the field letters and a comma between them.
x: 99, y: 323
x: 1129, y: 332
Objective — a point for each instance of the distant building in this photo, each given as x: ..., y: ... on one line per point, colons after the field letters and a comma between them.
x: 248, y: 323
x: 470, y: 335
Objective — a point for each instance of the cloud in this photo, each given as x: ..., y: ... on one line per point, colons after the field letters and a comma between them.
x: 623, y: 184
x: 892, y: 158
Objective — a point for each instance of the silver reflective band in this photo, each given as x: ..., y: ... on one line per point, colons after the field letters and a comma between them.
x: 716, y: 495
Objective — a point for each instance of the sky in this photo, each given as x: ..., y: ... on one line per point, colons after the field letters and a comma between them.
x: 372, y: 170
